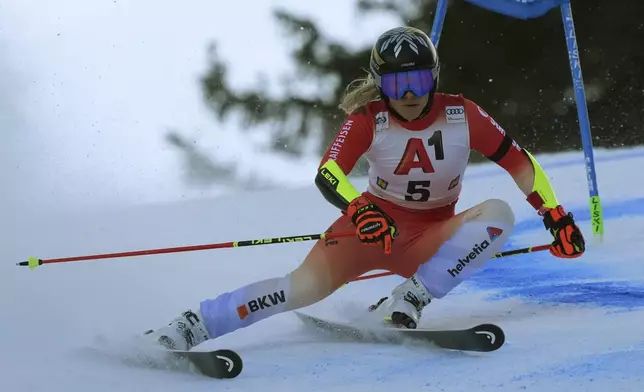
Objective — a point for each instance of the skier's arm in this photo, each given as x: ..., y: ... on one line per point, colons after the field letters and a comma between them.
x: 335, y: 186
x: 352, y: 140
x: 487, y: 137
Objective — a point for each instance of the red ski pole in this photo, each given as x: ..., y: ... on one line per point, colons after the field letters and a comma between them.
x: 34, y: 262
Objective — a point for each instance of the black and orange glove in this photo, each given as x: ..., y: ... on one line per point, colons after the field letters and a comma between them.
x: 372, y: 224
x: 569, y: 242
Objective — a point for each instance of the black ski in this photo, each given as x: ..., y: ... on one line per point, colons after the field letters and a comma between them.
x: 220, y: 364
x: 482, y: 337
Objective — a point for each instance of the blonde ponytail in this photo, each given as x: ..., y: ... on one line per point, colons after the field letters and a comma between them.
x: 359, y: 93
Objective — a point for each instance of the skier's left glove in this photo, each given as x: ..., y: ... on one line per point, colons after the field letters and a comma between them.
x: 568, y: 239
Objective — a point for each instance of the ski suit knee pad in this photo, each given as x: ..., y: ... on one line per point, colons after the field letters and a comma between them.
x: 486, y: 227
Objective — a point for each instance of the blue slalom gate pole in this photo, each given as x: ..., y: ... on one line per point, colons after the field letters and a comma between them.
x: 584, y: 122
x: 535, y: 9
x: 439, y: 18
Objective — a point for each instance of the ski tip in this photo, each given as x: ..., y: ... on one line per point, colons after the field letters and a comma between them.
x: 233, y: 361
x: 492, y: 333
x: 220, y: 364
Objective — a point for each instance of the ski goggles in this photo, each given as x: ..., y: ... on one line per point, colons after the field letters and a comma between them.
x: 396, y: 85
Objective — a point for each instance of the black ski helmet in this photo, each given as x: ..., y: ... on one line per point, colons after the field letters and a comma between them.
x: 403, y: 49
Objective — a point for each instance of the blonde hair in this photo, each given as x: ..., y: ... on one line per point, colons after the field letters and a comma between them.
x: 359, y: 93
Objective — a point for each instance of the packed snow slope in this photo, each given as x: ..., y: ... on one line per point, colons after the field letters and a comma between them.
x: 572, y: 325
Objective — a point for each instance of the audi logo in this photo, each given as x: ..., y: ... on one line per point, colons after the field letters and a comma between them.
x: 453, y: 111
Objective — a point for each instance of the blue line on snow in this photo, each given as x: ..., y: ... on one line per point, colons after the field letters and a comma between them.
x: 541, y: 278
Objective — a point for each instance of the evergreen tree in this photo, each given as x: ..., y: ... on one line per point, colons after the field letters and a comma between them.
x: 516, y: 69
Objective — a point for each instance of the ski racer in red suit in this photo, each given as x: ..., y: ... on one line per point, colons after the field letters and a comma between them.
x: 417, y: 142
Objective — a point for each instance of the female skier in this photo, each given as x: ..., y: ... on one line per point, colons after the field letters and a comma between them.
x: 417, y: 143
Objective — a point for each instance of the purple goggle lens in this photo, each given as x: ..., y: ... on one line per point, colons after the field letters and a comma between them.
x: 395, y: 85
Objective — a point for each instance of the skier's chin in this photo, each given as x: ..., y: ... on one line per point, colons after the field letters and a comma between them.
x: 410, y: 111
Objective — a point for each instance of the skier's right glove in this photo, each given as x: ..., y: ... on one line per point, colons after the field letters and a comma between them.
x: 372, y: 224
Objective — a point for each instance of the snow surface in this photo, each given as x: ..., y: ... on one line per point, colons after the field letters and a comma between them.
x: 571, y: 325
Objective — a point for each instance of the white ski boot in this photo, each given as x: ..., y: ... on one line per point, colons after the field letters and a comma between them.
x: 182, y: 333
x: 404, y: 307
